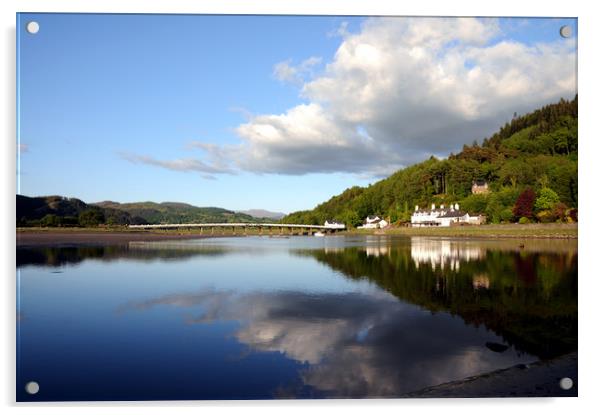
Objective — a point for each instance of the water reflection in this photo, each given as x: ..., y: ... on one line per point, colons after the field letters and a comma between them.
x: 526, y: 296
x: 406, y: 313
x: 444, y: 253
x: 357, y: 344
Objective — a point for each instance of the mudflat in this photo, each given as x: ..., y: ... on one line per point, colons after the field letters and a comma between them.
x: 40, y: 238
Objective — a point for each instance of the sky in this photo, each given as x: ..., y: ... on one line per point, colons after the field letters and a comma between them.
x: 271, y: 112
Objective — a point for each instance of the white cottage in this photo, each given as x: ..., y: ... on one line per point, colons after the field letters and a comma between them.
x: 373, y: 222
x: 332, y: 224
x: 442, y: 216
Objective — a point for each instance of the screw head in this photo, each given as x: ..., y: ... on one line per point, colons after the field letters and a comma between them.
x: 566, y: 31
x: 33, y: 27
x: 32, y: 388
x: 566, y: 383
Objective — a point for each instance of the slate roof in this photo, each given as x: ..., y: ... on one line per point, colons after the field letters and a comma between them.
x: 453, y: 214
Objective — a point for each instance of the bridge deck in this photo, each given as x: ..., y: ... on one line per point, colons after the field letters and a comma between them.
x: 238, y: 225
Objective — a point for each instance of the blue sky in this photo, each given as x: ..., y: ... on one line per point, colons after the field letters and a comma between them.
x: 262, y: 111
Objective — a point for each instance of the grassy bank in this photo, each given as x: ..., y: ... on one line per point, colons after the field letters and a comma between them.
x: 535, y: 230
x: 539, y: 230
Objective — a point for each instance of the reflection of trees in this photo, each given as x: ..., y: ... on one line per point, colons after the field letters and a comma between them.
x: 530, y: 299
x: 57, y: 256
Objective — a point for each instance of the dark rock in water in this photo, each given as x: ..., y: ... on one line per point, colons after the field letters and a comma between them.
x: 496, y: 347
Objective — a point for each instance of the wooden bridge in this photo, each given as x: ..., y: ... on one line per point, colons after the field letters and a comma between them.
x: 244, y: 228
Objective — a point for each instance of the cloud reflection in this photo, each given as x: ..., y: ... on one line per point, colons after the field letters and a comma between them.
x: 356, y: 344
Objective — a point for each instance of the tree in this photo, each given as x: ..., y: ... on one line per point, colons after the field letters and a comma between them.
x: 546, y: 200
x: 524, y: 204
x: 91, y: 217
x: 50, y: 220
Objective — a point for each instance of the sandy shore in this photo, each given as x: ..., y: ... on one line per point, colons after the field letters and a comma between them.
x: 539, y: 379
x: 95, y: 238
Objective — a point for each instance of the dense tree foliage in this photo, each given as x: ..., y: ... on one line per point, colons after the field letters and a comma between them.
x: 523, y: 208
x: 537, y: 150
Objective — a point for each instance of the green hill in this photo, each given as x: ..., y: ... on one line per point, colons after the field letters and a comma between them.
x: 62, y: 211
x: 537, y: 150
x: 172, y: 212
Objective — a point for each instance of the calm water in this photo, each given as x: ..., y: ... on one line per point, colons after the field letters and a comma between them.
x: 261, y: 318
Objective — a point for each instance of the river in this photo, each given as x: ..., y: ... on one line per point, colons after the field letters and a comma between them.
x: 286, y: 317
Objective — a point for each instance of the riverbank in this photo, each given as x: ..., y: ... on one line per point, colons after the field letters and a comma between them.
x: 539, y: 379
x: 533, y: 230
x: 104, y: 236
x: 92, y: 236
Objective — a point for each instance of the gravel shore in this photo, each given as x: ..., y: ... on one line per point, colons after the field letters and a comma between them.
x: 539, y: 379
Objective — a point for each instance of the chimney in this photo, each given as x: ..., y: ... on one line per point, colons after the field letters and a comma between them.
x: 442, y: 207
x: 457, y: 206
x: 433, y: 206
x: 416, y: 208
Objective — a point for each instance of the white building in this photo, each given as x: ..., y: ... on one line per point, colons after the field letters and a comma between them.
x: 373, y: 222
x: 334, y: 224
x: 443, y: 216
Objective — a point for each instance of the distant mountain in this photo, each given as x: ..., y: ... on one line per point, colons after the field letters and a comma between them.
x: 262, y: 213
x: 63, y: 211
x: 173, y: 212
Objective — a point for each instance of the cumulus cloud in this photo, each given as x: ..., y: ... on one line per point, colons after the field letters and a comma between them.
x: 401, y: 90
x: 396, y: 92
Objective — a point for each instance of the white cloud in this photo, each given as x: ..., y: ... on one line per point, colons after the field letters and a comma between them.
x: 415, y: 86
x: 395, y: 93
x: 183, y: 165
x: 285, y: 72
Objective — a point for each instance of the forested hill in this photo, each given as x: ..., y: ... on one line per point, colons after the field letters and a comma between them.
x: 62, y: 211
x: 173, y: 212
x: 535, y: 151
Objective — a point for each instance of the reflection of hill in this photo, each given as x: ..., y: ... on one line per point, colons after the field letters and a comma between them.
x: 530, y: 299
x: 59, y: 256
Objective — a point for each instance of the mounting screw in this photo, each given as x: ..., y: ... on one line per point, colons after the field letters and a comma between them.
x: 33, y: 27
x: 566, y: 383
x: 32, y: 388
x: 565, y: 31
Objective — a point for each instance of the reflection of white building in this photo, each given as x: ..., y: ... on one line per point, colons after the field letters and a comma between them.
x: 378, y: 250
x: 332, y: 224
x: 443, y: 253
x: 443, y: 216
x: 480, y: 281
x: 373, y: 222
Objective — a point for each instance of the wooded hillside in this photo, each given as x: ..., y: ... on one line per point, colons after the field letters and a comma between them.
x: 536, y: 151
